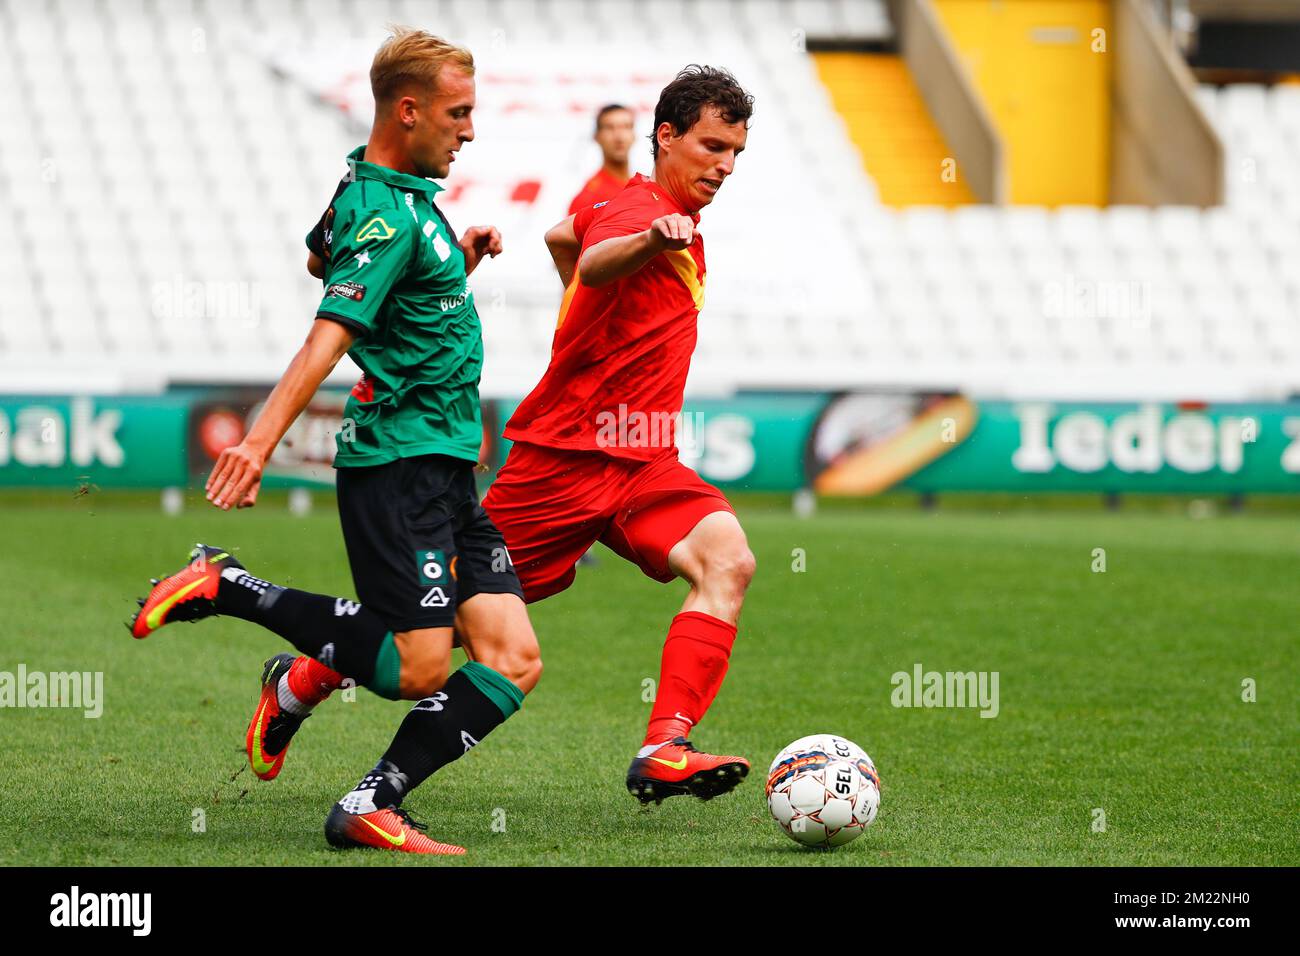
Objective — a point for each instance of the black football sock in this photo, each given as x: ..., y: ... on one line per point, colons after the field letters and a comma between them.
x: 341, y: 634
x: 441, y: 728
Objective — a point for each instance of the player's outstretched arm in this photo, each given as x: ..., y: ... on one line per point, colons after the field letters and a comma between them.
x: 564, y: 246
x: 611, y: 259
x: 237, y: 475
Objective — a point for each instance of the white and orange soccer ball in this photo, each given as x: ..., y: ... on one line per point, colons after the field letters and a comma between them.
x: 823, y: 790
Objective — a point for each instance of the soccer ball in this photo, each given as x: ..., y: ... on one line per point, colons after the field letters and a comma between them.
x: 823, y: 790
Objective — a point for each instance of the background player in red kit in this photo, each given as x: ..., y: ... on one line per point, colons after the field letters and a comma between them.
x: 615, y: 133
x: 595, y: 455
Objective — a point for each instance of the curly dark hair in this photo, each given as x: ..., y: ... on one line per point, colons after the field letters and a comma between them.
x: 690, y: 91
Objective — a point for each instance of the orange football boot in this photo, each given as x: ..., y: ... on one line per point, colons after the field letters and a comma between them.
x: 187, y: 595
x: 391, y: 828
x: 674, y: 768
x: 271, y: 730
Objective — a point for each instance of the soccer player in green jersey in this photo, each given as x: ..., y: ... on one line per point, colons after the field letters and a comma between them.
x: 425, y: 558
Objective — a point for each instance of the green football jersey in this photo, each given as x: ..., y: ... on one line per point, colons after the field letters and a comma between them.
x: 395, y: 275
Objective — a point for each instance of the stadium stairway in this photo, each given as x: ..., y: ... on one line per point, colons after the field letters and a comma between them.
x: 889, y: 123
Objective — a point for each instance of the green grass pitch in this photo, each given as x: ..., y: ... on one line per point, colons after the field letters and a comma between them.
x: 1120, y: 691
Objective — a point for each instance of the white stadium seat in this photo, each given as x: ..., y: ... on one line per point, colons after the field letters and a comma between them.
x: 211, y: 137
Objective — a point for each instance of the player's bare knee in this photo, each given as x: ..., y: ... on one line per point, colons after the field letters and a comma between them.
x: 526, y: 669
x: 518, y: 661
x: 730, y: 569
x: 526, y: 662
x: 418, y: 683
x: 746, y: 565
x: 423, y: 669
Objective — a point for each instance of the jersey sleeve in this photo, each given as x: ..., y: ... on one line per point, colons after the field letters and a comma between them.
x: 582, y: 217
x: 368, y: 256
x: 316, y: 238
x: 321, y: 235
x: 613, y: 218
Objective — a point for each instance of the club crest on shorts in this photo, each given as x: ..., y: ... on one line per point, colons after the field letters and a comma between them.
x: 431, y: 565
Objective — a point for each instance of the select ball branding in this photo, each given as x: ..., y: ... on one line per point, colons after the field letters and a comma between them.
x: 823, y: 790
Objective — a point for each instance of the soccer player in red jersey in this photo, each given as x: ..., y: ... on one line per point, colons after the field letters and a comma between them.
x: 615, y: 134
x: 594, y: 455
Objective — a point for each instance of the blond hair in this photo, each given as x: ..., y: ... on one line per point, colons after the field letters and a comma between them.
x: 413, y: 57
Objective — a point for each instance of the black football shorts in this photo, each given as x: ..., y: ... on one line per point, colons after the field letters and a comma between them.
x: 418, y: 540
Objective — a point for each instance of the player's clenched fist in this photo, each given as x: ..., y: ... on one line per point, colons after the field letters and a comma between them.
x: 477, y: 242
x: 673, y: 231
x: 236, y: 477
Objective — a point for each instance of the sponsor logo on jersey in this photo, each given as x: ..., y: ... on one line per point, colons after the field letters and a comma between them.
x: 375, y: 229
x: 454, y: 302
x: 347, y: 290
x: 441, y: 247
x: 364, y: 390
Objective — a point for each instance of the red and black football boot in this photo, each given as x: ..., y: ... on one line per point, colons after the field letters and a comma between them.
x: 675, y: 768
x: 271, y: 729
x: 391, y: 828
x: 188, y: 595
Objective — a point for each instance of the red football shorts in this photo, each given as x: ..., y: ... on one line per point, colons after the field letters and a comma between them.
x: 552, y: 504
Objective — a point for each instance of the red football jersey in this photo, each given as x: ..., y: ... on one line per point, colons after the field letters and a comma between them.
x: 621, y: 351
x: 599, y: 188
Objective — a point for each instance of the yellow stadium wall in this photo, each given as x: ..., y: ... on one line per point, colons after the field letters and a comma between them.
x: 1041, y: 68
x: 900, y: 145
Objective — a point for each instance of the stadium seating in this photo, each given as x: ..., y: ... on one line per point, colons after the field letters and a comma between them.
x: 161, y: 240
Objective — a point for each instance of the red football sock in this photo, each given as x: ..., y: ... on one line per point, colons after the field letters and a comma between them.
x: 694, y: 663
x: 311, y: 681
